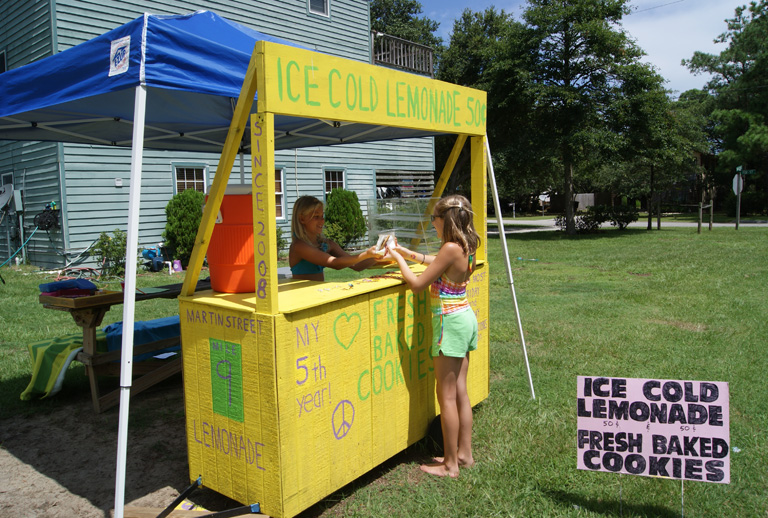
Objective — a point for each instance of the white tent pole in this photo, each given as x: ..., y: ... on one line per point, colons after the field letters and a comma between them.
x: 503, y: 239
x: 129, y: 296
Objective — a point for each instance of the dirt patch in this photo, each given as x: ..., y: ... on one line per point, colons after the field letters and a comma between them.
x: 62, y: 464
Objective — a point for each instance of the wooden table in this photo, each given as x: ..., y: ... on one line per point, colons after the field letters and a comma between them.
x: 88, y: 313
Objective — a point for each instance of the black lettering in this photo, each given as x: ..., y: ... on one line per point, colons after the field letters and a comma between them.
x: 714, y: 473
x: 659, y: 413
x: 588, y: 456
x: 719, y: 448
x: 638, y: 411
x: 634, y: 464
x: 693, y: 469
x: 581, y: 409
x: 613, y: 462
x: 689, y: 446
x: 618, y: 410
x: 596, y: 387
x: 697, y: 414
x: 648, y: 386
x: 658, y: 466
x: 689, y: 395
x: 672, y: 391
x: 676, y: 414
x: 715, y: 415
x: 708, y: 392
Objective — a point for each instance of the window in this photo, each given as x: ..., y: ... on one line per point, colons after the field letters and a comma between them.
x: 334, y: 179
x: 190, y: 177
x: 3, y: 64
x: 320, y: 7
x: 6, y: 179
x: 279, y: 195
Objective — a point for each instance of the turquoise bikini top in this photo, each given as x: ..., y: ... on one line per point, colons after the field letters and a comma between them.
x: 304, y: 267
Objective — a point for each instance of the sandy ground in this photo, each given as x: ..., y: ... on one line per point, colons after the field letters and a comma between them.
x: 63, y: 464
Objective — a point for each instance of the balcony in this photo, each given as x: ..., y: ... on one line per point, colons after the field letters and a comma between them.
x: 390, y: 51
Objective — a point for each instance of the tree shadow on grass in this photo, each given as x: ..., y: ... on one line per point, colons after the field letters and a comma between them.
x: 608, y: 507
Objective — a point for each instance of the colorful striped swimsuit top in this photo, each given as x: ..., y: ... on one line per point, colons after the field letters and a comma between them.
x: 448, y: 296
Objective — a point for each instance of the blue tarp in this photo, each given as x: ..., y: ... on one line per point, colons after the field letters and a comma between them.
x: 193, y: 67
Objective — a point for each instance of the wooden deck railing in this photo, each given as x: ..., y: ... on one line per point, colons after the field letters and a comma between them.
x: 406, y: 55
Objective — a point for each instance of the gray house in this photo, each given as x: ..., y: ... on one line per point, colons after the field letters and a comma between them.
x: 84, y: 188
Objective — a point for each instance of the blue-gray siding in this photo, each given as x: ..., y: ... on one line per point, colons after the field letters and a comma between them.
x: 81, y: 178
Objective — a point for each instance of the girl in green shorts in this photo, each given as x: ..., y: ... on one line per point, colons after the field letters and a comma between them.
x: 454, y: 325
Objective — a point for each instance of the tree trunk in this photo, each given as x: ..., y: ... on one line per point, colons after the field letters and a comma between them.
x: 570, y: 224
x: 650, y: 203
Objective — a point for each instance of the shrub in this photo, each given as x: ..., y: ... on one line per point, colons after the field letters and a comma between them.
x: 183, y: 214
x: 344, y: 220
x: 596, y: 215
x: 110, y: 253
x: 623, y: 215
x: 282, y: 243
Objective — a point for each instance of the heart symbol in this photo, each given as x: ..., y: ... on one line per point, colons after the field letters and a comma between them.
x: 353, y: 316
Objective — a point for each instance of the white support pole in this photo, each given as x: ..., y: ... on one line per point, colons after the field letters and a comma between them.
x: 503, y: 239
x: 129, y: 295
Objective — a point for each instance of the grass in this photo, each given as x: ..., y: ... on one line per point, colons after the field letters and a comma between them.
x: 669, y: 304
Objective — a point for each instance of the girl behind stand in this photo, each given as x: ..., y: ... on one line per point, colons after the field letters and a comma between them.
x: 310, y: 251
x: 454, y: 325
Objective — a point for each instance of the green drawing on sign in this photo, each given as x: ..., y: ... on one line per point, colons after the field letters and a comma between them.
x: 346, y: 327
x: 227, y: 379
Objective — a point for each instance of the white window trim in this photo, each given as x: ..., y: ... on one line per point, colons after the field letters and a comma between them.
x: 343, y: 178
x: 316, y: 13
x: 192, y: 165
x: 281, y: 171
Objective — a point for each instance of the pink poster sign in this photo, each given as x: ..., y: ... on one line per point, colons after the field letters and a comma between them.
x: 654, y: 427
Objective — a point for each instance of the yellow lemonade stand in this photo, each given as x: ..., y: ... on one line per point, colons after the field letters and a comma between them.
x: 300, y: 387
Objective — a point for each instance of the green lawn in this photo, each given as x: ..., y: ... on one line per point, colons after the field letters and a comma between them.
x: 668, y: 304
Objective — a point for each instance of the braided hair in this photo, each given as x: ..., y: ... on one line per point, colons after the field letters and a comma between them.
x: 458, y: 226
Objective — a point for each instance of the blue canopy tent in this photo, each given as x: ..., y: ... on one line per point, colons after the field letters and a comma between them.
x: 161, y: 82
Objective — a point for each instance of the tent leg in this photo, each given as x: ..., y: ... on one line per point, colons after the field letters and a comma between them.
x: 129, y: 296
x: 503, y: 238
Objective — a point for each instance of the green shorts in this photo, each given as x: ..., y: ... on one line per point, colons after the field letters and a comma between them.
x: 454, y: 334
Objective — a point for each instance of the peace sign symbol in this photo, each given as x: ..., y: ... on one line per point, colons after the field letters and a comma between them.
x: 342, y: 419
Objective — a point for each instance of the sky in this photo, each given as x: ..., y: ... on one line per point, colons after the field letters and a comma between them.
x: 667, y: 30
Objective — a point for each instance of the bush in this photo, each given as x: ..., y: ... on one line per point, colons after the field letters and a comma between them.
x: 596, y: 215
x: 344, y: 220
x: 282, y: 243
x: 110, y: 253
x: 623, y: 215
x: 183, y: 214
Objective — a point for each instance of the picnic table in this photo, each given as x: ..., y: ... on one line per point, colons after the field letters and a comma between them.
x: 88, y: 313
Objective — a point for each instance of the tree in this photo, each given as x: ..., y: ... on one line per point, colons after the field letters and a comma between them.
x: 654, y: 137
x: 740, y: 76
x: 400, y: 18
x: 579, y: 51
x: 487, y: 51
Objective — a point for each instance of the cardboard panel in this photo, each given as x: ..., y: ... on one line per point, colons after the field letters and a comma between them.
x: 305, y: 83
x: 230, y: 402
x: 324, y: 431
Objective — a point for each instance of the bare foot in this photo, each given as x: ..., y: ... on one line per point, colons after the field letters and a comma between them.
x: 463, y: 463
x: 439, y: 469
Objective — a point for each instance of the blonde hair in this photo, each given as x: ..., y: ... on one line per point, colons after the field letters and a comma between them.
x: 458, y: 226
x: 304, y: 206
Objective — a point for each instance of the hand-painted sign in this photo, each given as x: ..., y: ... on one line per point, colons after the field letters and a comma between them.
x: 652, y: 427
x: 303, y: 82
